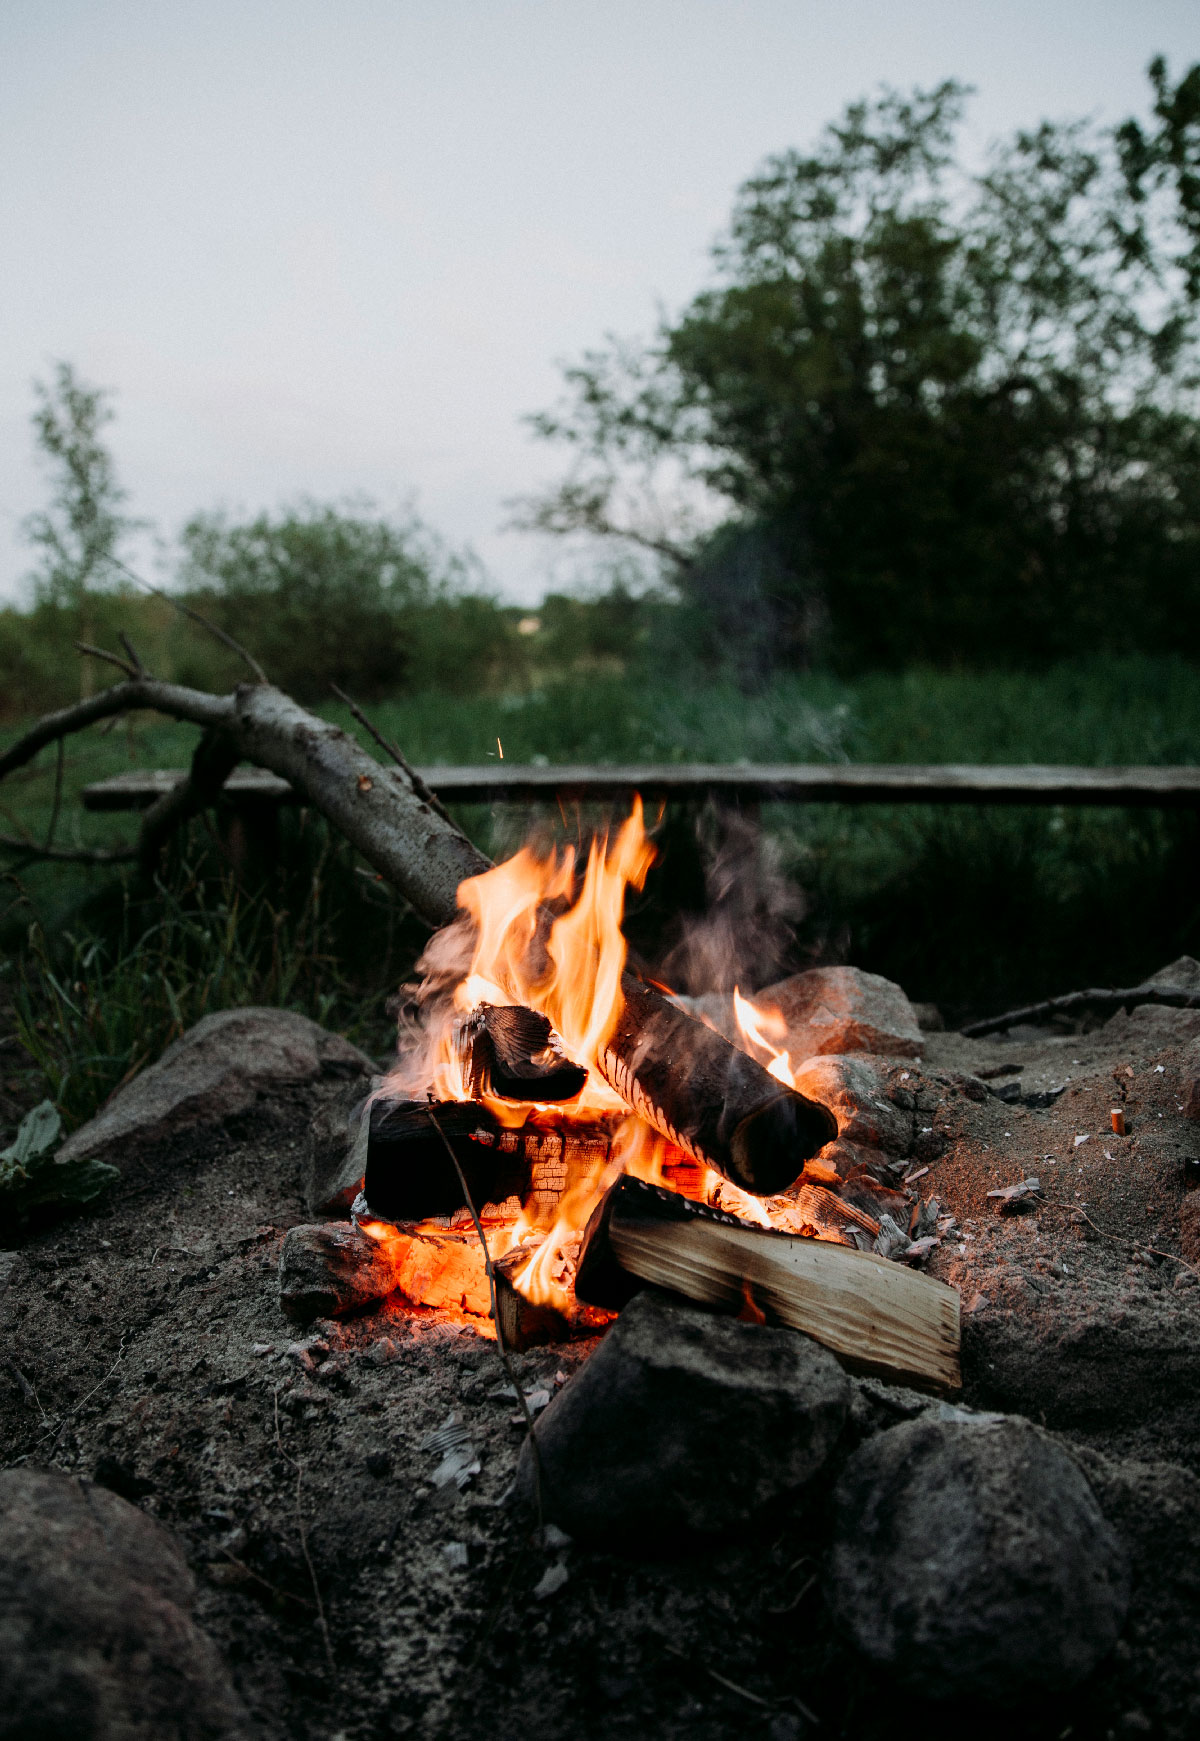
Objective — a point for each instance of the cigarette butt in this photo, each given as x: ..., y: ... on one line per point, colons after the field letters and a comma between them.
x: 1118, y: 1120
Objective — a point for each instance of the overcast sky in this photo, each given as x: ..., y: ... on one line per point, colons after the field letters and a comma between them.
x: 336, y: 249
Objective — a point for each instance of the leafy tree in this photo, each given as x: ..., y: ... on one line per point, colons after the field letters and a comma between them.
x: 324, y: 595
x: 946, y: 414
x: 82, y: 530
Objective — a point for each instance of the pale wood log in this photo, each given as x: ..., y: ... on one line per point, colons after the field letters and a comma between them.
x: 876, y: 1316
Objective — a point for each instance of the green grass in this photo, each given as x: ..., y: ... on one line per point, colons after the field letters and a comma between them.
x: 973, y: 907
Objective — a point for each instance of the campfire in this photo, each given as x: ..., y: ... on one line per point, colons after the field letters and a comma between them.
x: 597, y: 1135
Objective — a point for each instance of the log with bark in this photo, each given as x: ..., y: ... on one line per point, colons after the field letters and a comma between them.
x: 687, y: 1081
x: 876, y: 1316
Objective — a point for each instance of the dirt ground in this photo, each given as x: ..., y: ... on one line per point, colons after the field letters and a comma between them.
x: 143, y: 1347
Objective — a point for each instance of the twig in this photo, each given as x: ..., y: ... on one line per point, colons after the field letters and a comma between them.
x: 109, y: 658
x: 745, y: 1693
x: 389, y: 748
x: 75, y: 1408
x: 321, y: 1620
x: 280, y: 1595
x: 1101, y: 998
x: 58, y: 783
x: 29, y: 1394
x: 1120, y: 1238
x: 133, y: 653
x: 194, y: 705
x: 196, y: 617
x: 501, y: 1350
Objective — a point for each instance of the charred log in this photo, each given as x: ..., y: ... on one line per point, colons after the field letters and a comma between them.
x: 514, y: 1053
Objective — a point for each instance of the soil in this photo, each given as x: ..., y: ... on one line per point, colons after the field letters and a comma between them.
x: 143, y: 1347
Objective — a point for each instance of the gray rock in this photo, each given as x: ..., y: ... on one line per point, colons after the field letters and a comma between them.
x: 682, y: 1426
x: 1183, y: 974
x: 856, y: 1091
x: 842, y: 1009
x: 971, y: 1560
x: 219, y: 1070
x: 336, y: 1156
x: 330, y: 1269
x: 97, y: 1642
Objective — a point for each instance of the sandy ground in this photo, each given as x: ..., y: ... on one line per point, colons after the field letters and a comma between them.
x: 146, y: 1350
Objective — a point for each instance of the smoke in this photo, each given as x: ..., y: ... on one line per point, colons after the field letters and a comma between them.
x: 747, y: 934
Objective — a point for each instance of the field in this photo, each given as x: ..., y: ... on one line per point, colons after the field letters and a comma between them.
x: 970, y: 908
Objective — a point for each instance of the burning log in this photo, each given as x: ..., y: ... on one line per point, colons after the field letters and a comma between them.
x: 708, y: 1097
x: 410, y: 1177
x: 514, y: 1053
x: 876, y: 1316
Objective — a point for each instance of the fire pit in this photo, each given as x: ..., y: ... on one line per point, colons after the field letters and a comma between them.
x: 557, y: 1133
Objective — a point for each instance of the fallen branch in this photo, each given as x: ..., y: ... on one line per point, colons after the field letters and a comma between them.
x: 1106, y: 998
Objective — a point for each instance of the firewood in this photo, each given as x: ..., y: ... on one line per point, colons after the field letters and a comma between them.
x: 514, y: 1053
x: 708, y: 1097
x: 328, y: 1269
x: 410, y: 1177
x: 876, y: 1316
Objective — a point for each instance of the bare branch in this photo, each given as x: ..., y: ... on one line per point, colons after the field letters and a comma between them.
x: 109, y: 658
x: 213, y: 760
x: 187, y: 610
x: 194, y: 705
x: 1099, y: 999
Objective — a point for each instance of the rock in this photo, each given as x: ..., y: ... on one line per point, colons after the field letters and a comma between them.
x: 1182, y: 975
x: 218, y: 1071
x: 856, y: 1092
x: 336, y: 1158
x: 683, y: 1425
x: 1189, y: 1227
x: 330, y: 1269
x: 842, y: 1009
x: 97, y: 1642
x: 971, y: 1560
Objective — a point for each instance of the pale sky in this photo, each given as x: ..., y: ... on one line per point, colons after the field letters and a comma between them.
x: 336, y: 249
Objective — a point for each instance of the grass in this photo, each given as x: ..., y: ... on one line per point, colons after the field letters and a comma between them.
x: 972, y: 908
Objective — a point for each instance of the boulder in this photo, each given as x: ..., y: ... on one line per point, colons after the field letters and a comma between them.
x: 971, y: 1560
x: 220, y: 1070
x: 335, y: 1160
x: 682, y: 1426
x: 97, y: 1641
x: 842, y: 1009
x: 856, y: 1091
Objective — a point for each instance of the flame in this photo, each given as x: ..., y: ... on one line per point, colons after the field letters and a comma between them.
x: 756, y: 1028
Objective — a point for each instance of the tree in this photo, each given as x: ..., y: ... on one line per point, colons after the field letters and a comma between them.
x: 326, y: 595
x: 946, y: 414
x: 82, y: 530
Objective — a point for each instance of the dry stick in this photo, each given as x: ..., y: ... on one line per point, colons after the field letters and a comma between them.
x: 133, y: 653
x: 1101, y: 998
x: 1120, y: 1239
x: 195, y: 616
x: 74, y: 1410
x: 321, y: 1620
x: 397, y: 755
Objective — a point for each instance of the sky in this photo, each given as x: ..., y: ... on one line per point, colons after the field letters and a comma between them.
x: 338, y: 251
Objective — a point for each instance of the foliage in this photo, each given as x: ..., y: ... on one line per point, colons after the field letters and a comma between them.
x: 948, y: 415
x: 323, y: 595
x: 33, y: 1177
x: 80, y: 533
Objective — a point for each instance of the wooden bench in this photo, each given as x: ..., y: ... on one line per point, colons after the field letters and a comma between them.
x: 799, y: 783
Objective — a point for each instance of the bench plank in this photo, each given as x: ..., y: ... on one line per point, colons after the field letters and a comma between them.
x: 798, y: 783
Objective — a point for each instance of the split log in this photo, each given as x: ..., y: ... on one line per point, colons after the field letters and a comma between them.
x: 329, y: 1269
x: 877, y: 1317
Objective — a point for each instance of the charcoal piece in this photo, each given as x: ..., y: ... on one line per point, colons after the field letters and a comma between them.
x: 513, y: 1052
x: 410, y: 1176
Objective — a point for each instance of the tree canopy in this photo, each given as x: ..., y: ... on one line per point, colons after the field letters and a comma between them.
x: 942, y: 413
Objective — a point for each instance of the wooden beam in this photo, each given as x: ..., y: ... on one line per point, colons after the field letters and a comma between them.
x: 800, y: 783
